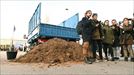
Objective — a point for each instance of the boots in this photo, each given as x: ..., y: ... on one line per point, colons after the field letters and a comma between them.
x: 126, y: 59
x: 132, y: 59
x: 113, y: 59
x: 87, y: 60
x: 91, y: 59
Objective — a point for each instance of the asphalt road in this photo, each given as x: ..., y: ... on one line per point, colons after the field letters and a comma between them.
x: 70, y: 68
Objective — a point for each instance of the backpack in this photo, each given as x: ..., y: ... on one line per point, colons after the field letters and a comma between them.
x: 79, y: 27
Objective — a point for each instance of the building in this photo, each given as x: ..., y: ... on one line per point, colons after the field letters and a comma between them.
x: 5, y: 44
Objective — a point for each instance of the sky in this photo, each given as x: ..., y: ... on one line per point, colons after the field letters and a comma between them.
x: 18, y: 13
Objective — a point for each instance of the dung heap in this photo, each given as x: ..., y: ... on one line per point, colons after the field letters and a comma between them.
x: 53, y: 51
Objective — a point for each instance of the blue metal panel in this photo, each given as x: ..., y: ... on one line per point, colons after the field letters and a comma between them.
x: 71, y: 22
x: 65, y: 30
x: 58, y: 31
x: 35, y: 19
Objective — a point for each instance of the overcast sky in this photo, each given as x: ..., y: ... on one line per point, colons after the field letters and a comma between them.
x: 18, y: 13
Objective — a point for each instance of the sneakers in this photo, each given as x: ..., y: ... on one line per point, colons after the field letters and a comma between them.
x: 116, y: 58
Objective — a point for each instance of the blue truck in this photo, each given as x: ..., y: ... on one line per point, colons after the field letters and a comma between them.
x: 39, y: 32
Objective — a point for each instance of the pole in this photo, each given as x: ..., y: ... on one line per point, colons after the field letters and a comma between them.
x: 12, y: 40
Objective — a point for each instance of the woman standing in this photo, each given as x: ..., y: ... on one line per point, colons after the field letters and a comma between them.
x: 108, y: 40
x: 116, y: 44
x: 127, y: 39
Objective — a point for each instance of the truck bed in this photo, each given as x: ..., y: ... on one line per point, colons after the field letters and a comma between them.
x: 53, y: 31
x: 39, y: 30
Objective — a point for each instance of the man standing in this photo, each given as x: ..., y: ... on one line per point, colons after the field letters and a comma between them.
x: 97, y: 37
x: 86, y: 32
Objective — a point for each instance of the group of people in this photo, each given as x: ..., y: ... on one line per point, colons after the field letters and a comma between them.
x: 103, y: 37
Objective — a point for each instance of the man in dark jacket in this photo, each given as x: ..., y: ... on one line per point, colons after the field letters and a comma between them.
x: 97, y: 36
x: 116, y: 32
x: 87, y: 29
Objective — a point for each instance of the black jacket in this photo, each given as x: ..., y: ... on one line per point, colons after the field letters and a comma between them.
x: 87, y: 29
x: 116, y: 31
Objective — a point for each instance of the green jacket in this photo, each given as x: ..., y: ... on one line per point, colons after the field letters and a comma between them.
x: 97, y: 32
x: 108, y: 35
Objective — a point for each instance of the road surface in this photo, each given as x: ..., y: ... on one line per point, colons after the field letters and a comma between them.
x: 71, y: 68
